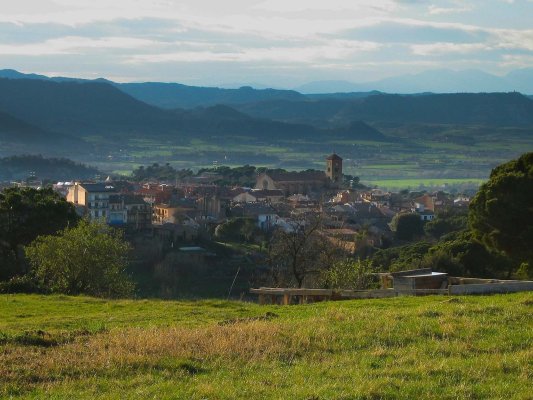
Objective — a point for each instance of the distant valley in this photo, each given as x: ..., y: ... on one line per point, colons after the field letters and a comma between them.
x: 383, y: 137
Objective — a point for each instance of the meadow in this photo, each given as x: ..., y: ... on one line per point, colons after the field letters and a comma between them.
x: 415, y: 155
x: 61, y: 347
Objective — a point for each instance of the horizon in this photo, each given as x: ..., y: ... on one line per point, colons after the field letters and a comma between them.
x: 363, y: 87
x: 265, y: 43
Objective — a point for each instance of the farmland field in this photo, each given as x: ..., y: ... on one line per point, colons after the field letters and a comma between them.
x: 414, y: 155
x: 433, y: 347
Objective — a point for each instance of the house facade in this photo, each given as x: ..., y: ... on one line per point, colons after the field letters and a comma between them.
x: 93, y: 198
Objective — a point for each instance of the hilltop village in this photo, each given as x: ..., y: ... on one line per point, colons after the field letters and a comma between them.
x: 191, y: 208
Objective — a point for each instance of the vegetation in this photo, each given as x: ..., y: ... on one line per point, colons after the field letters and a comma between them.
x: 160, y: 173
x: 446, y: 221
x: 349, y: 274
x: 501, y: 213
x: 25, y: 214
x: 407, y: 226
x: 237, y: 230
x: 19, y: 167
x: 90, y: 258
x: 401, y: 348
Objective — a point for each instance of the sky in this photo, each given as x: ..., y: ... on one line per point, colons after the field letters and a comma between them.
x: 278, y: 43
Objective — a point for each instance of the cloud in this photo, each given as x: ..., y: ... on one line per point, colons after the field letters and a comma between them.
x: 73, y: 45
x: 195, y: 39
x: 445, y: 48
x: 337, y: 50
x: 435, y: 10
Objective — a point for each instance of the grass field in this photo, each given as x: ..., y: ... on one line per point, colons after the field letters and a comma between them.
x: 398, y: 184
x: 59, y: 347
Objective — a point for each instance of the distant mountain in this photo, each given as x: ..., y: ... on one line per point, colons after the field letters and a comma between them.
x: 437, y: 81
x: 14, y: 130
x: 94, y: 108
x: 175, y: 95
x: 80, y: 108
x: 502, y: 109
x: 59, y: 169
x: 342, y: 95
x: 329, y: 86
x: 225, y: 119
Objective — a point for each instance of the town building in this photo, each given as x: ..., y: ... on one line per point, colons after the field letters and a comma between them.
x: 92, y: 198
x: 334, y: 168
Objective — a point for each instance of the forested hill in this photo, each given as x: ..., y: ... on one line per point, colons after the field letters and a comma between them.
x: 98, y: 108
x: 502, y: 109
x: 79, y: 107
x: 175, y: 95
x: 14, y: 130
x: 19, y: 167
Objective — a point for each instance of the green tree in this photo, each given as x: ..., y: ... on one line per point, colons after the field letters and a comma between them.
x: 349, y: 274
x: 501, y: 213
x: 237, y: 230
x: 90, y: 258
x: 447, y: 221
x: 25, y: 214
x: 407, y: 226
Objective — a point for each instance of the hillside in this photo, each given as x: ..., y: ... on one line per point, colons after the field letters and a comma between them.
x: 435, y: 80
x: 502, y: 109
x: 18, y: 167
x: 20, y: 137
x: 80, y: 107
x: 175, y: 95
x: 15, y: 130
x: 97, y: 108
x: 401, y: 348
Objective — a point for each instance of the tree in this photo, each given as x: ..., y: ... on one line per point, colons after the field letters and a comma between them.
x: 237, y: 230
x: 407, y: 226
x: 90, y: 258
x: 25, y: 214
x: 349, y: 274
x: 501, y: 213
x: 447, y: 221
x: 296, y: 253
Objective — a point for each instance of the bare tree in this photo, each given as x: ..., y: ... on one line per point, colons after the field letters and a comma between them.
x: 302, y: 250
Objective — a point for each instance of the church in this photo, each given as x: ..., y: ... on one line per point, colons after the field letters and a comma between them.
x: 303, y: 182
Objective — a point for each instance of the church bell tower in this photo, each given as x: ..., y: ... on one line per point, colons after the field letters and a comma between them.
x: 334, y: 168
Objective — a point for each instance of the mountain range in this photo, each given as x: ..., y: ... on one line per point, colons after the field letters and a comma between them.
x: 65, y: 111
x: 436, y: 81
x: 83, y: 108
x: 500, y: 109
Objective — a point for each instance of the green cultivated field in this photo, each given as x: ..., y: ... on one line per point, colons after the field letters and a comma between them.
x: 416, y: 155
x: 398, y: 184
x: 59, y: 347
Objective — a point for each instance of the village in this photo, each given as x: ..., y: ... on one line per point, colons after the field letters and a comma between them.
x: 184, y: 222
x: 189, y: 209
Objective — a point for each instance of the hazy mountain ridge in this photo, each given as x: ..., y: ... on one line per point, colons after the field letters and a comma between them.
x: 437, y: 81
x: 89, y: 108
x: 175, y: 95
x: 15, y: 130
x: 502, y: 109
x: 19, y: 167
x: 79, y: 107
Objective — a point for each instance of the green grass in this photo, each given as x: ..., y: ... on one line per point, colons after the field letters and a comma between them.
x: 415, y: 183
x: 60, y: 347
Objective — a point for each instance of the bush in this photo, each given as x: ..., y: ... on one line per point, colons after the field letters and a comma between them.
x: 349, y: 274
x: 21, y: 284
x: 90, y: 259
